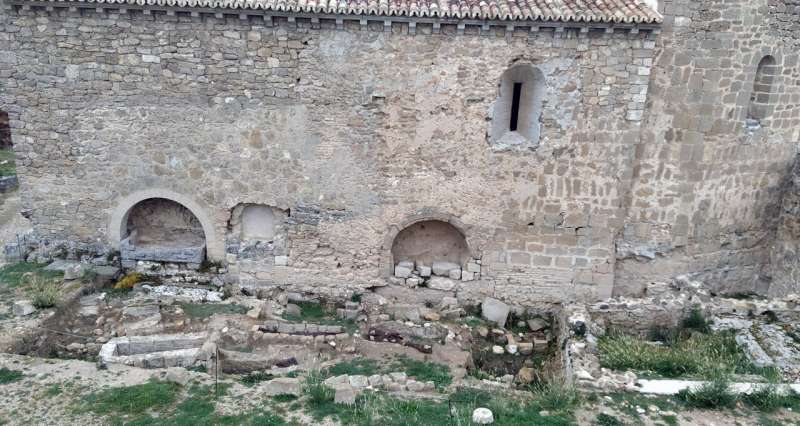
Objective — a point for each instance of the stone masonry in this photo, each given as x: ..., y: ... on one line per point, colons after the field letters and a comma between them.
x: 351, y: 130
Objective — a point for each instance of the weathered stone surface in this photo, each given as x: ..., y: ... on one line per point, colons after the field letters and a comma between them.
x: 282, y: 386
x: 345, y: 394
x: 495, y: 311
x: 23, y: 308
x: 441, y: 283
x: 443, y: 269
x: 178, y: 375
x: 482, y: 416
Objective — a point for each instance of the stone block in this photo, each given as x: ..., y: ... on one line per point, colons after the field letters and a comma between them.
x: 413, y: 282
x: 359, y: 382
x: 401, y: 271
x: 443, y: 269
x: 282, y: 386
x: 495, y: 311
x: 344, y: 394
x: 281, y: 260
x: 424, y: 271
x: 23, y: 308
x: 455, y: 274
x: 473, y: 267
x: 441, y: 283
x: 467, y: 276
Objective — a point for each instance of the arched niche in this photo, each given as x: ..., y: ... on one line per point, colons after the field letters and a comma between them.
x: 517, y: 112
x: 760, y: 107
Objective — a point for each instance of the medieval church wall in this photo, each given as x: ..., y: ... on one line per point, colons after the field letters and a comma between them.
x: 709, y: 178
x: 355, y: 132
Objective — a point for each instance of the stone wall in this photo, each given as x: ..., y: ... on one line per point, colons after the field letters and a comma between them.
x: 357, y: 132
x: 644, y: 167
x: 707, y: 187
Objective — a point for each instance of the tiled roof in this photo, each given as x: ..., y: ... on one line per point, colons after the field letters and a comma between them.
x: 603, y: 11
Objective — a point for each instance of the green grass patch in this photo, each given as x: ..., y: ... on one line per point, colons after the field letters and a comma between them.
x: 319, y: 398
x: 604, y: 419
x: 255, y: 378
x: 687, y: 355
x: 53, y: 390
x: 12, y: 275
x: 135, y: 399
x: 556, y: 395
x: 317, y: 313
x: 7, y: 165
x: 354, y: 367
x: 424, y: 371
x: 9, y: 376
x: 206, y: 310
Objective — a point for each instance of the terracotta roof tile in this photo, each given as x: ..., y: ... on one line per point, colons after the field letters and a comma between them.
x: 601, y: 11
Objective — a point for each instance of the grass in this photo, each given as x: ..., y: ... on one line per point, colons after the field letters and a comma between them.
x: 604, y: 419
x: 319, y: 398
x: 714, y: 394
x: 687, y: 355
x: 7, y: 165
x: 44, y: 292
x: 255, y: 378
x: 354, y: 367
x: 135, y: 399
x: 9, y: 376
x: 316, y: 313
x: 767, y: 398
x: 425, y: 371
x: 13, y: 275
x: 556, y: 395
x: 206, y: 310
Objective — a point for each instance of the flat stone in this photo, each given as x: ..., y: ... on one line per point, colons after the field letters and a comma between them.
x: 344, y: 394
x: 441, y: 283
x: 178, y: 375
x: 455, y: 274
x: 358, y: 382
x: 495, y: 311
x: 375, y: 380
x: 443, y: 269
x: 424, y: 271
x: 402, y: 271
x: 23, y: 308
x: 283, y: 386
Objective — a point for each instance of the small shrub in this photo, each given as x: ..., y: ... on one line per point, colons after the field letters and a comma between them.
x: 768, y: 398
x: 13, y: 275
x: 9, y: 376
x: 44, y: 292
x: 319, y: 398
x: 604, y: 419
x: 556, y: 395
x: 255, y: 378
x: 128, y: 281
x: 696, y: 321
x: 715, y: 394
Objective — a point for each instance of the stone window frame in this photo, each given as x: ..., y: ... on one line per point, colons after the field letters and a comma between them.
x: 532, y: 104
x: 761, y: 103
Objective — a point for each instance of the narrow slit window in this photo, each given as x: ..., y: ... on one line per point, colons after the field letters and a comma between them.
x: 515, y: 107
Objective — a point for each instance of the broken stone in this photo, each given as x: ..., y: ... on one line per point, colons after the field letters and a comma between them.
x: 441, y: 283
x: 431, y: 316
x: 292, y: 309
x: 498, y: 350
x: 413, y: 282
x: 467, y: 276
x: 424, y: 271
x: 283, y: 386
x: 23, y: 308
x: 455, y: 274
x: 495, y: 311
x: 448, y: 301
x: 178, y: 375
x: 375, y: 380
x: 359, y: 382
x: 525, y: 348
x: 482, y: 416
x: 537, y: 324
x: 443, y: 269
x: 344, y: 394
x: 415, y: 386
x: 403, y: 271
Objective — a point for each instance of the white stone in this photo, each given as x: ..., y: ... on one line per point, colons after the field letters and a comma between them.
x: 455, y: 274
x: 424, y: 271
x: 512, y: 349
x: 281, y: 260
x: 441, y: 283
x: 467, y: 276
x: 358, y: 381
x: 151, y: 59
x: 282, y: 386
x: 498, y: 350
x: 473, y: 267
x: 178, y: 375
x: 482, y: 416
x: 413, y: 282
x: 443, y: 269
x: 401, y: 271
x: 495, y: 311
x: 23, y: 307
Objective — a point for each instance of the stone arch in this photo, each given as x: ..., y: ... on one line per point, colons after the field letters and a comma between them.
x: 760, y: 106
x: 517, y: 112
x: 445, y: 219
x: 118, y: 221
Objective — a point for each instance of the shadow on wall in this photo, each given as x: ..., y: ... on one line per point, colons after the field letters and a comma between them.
x: 431, y: 241
x: 162, y: 230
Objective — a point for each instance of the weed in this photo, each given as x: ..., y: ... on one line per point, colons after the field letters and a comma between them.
x: 44, y: 292
x: 53, y: 390
x: 128, y: 281
x: 9, y: 376
x: 205, y: 310
x: 135, y: 399
x: 284, y: 398
x: 309, y: 312
x: 424, y: 371
x: 768, y: 398
x: 354, y: 367
x: 7, y: 165
x: 714, y: 394
x: 604, y: 419
x: 696, y: 321
x: 319, y: 398
x: 255, y: 378
x: 556, y: 395
x: 12, y: 275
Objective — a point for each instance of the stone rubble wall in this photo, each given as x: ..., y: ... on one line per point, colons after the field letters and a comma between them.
x: 355, y: 132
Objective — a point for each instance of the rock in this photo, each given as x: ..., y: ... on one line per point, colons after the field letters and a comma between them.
x: 473, y: 267
x: 431, y: 316
x: 583, y: 375
x: 526, y: 375
x: 482, y: 331
x: 455, y: 274
x: 292, y: 309
x: 413, y: 282
x: 448, y: 301
x: 512, y: 349
x: 482, y: 416
x: 358, y: 382
x: 525, y: 348
x: 441, y: 283
x: 443, y: 269
x: 73, y: 272
x: 332, y: 382
x: 283, y: 386
x: 398, y: 377
x: 254, y: 313
x: 375, y: 380
x: 344, y: 394
x: 424, y: 271
x: 498, y: 350
x: 415, y: 386
x: 281, y: 260
x: 537, y: 324
x: 467, y: 276
x: 23, y: 307
x: 402, y: 271
x: 75, y: 347
x: 178, y: 375
x: 495, y: 311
